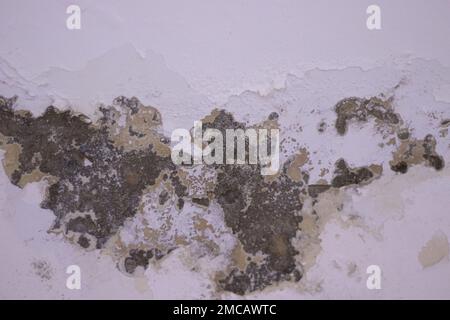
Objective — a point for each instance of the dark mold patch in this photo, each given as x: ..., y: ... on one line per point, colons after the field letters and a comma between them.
x: 201, y: 201
x: 264, y: 215
x: 163, y: 197
x: 273, y: 116
x: 315, y: 189
x: 400, y: 166
x: 345, y: 176
x: 255, y: 277
x: 412, y: 152
x: 58, y: 143
x: 445, y: 123
x: 180, y: 204
x: 141, y: 258
x: 84, y: 242
x: 361, y: 110
x: 432, y: 158
x: 403, y: 134
x: 98, y: 183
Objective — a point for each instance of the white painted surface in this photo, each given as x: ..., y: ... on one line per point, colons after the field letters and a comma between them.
x: 185, y: 58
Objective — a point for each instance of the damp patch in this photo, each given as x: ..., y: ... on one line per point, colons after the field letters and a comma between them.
x: 113, y: 186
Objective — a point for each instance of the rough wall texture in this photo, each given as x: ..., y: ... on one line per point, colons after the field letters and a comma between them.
x: 88, y: 179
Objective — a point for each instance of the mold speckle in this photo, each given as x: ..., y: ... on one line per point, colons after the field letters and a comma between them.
x: 42, y: 269
x: 322, y: 127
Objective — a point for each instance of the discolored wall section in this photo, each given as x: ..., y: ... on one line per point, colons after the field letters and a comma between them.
x: 87, y: 177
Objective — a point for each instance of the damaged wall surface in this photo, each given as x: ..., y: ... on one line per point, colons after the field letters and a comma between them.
x: 87, y: 177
